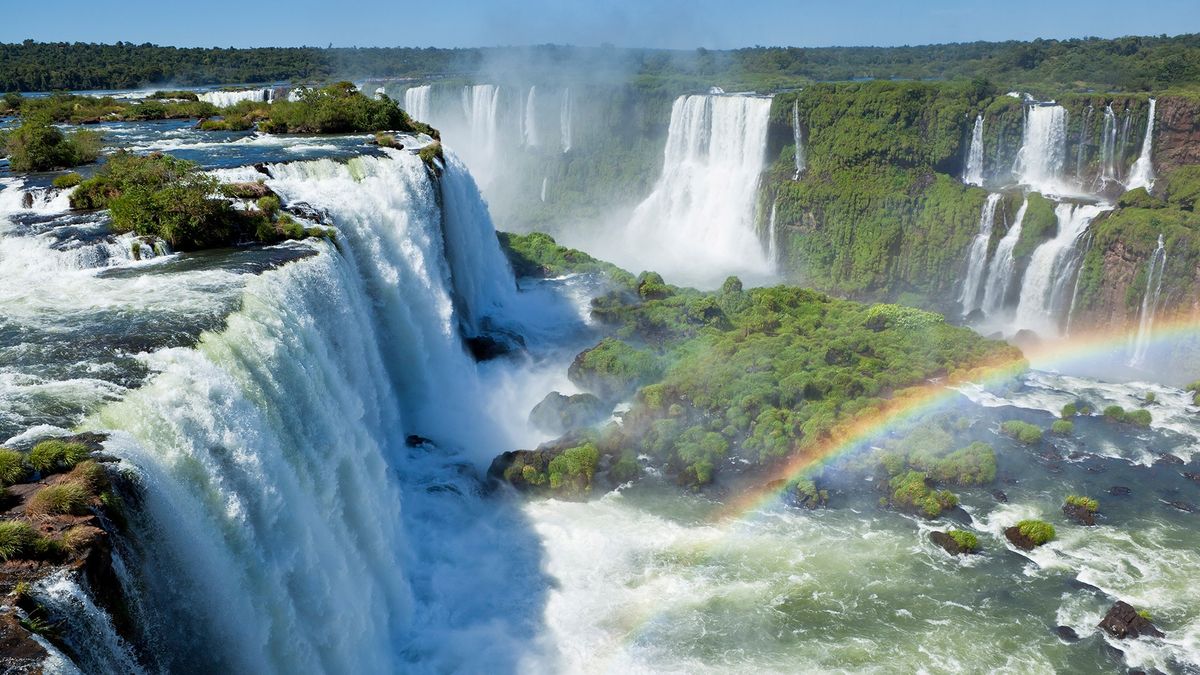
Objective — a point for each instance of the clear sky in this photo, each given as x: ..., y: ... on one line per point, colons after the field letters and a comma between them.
x: 715, y: 24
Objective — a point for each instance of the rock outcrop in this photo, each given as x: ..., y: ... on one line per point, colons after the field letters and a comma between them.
x: 1123, y: 621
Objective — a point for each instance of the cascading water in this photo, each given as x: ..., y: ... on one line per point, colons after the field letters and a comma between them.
x: 1050, y: 276
x: 1043, y: 150
x: 1154, y: 279
x: 772, y: 246
x: 1003, y: 266
x: 224, y: 99
x: 1108, y: 149
x: 973, y: 173
x: 1142, y: 174
x: 544, y: 180
x: 417, y: 102
x: 977, y: 258
x: 272, y: 521
x: 798, y: 141
x: 529, y: 118
x: 697, y: 226
x: 565, y: 115
x: 1081, y: 146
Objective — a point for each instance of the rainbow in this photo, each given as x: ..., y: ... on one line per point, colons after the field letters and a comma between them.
x: 908, y: 404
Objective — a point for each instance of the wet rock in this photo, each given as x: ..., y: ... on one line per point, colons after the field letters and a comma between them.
x: 1123, y: 621
x: 247, y: 190
x: 486, y: 348
x: 949, y: 544
x: 1181, y: 505
x: 1067, y: 634
x: 1194, y: 477
x: 1119, y: 491
x: 1026, y: 339
x: 19, y: 652
x: 262, y: 168
x: 558, y: 414
x: 1019, y: 540
x: 1078, y: 585
x: 415, y: 441
x: 1000, y: 496
x: 1080, y: 514
x: 1168, y: 459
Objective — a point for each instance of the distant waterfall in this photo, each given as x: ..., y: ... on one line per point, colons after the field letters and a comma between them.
x: 1043, y: 148
x: 224, y: 99
x: 565, y: 115
x: 977, y: 257
x: 1046, y: 287
x: 1001, y: 269
x: 273, y: 455
x: 772, y: 247
x: 529, y: 127
x: 1142, y: 174
x: 1081, y: 146
x: 544, y: 178
x: 973, y: 174
x: 1154, y: 279
x: 417, y: 102
x: 798, y: 141
x: 698, y: 225
x: 480, y: 106
x: 1108, y: 148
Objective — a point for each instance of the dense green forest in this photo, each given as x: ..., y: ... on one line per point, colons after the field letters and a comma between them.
x: 1128, y: 63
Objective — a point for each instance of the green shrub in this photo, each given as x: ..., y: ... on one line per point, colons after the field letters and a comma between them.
x: 12, y: 467
x: 269, y: 205
x: 431, y: 152
x: 967, y: 540
x: 1039, y: 532
x: 1145, y: 614
x: 910, y: 491
x: 1150, y: 397
x: 37, y: 145
x: 1083, y: 502
x: 1139, y: 417
x: 972, y: 465
x: 67, y: 180
x: 1114, y: 413
x: 65, y: 498
x: 57, y: 455
x: 1062, y: 428
x: 1069, y: 410
x: 573, y: 470
x: 17, y: 538
x: 1023, y: 432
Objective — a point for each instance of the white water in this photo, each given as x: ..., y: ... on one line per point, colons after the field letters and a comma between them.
x: 417, y: 102
x: 1142, y: 174
x: 977, y: 257
x: 280, y: 499
x: 224, y: 99
x: 1108, y: 148
x: 1045, y: 295
x: 544, y: 180
x: 529, y: 119
x: 1154, y: 279
x: 798, y: 142
x: 973, y: 174
x: 566, y: 114
x: 1081, y: 146
x: 89, y: 632
x: 772, y: 246
x: 1043, y: 149
x: 1001, y: 269
x: 697, y: 226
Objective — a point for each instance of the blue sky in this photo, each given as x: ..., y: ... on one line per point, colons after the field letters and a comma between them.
x: 654, y: 23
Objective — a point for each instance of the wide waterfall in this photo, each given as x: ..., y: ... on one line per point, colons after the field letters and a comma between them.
x: 1043, y: 149
x: 1050, y: 276
x: 798, y: 141
x: 1082, y: 145
x: 977, y: 258
x: 417, y: 102
x: 1108, y: 149
x: 566, y: 114
x: 1142, y: 174
x: 276, y: 528
x: 1003, y: 267
x: 529, y: 130
x: 1154, y: 279
x: 973, y: 173
x: 224, y: 99
x: 698, y: 225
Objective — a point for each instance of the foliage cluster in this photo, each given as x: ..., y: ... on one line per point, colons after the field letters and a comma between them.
x: 911, y: 492
x: 1038, y: 531
x: 1083, y: 502
x: 37, y: 145
x: 336, y: 109
x: 1023, y: 432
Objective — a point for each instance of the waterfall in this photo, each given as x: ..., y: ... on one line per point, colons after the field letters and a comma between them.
x: 1123, y: 142
x: 698, y: 225
x: 798, y: 141
x: 1154, y: 279
x: 544, y: 179
x: 417, y: 102
x: 565, y: 114
x: 224, y: 99
x: 772, y: 246
x: 977, y: 257
x: 1002, y: 267
x: 1043, y: 148
x: 480, y: 107
x: 279, y: 498
x: 1049, y: 278
x: 1142, y: 174
x: 1108, y: 148
x: 973, y: 174
x: 530, y: 118
x: 1081, y: 147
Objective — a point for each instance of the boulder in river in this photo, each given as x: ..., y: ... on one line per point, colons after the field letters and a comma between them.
x: 955, y: 542
x: 558, y: 414
x: 1123, y: 621
x: 1119, y: 491
x: 1067, y: 634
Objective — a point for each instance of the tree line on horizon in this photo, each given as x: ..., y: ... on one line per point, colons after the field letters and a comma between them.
x: 1123, y: 64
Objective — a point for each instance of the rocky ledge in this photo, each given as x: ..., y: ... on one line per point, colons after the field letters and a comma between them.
x: 1123, y: 621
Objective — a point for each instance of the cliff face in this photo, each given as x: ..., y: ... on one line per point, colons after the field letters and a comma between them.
x: 880, y: 212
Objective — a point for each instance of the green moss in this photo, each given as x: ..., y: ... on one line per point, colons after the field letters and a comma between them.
x: 967, y: 540
x: 57, y: 455
x: 1181, y: 187
x: 572, y: 471
x: 972, y: 465
x: 1140, y: 417
x: 614, y: 369
x: 1083, y: 502
x: 1139, y: 198
x: 1039, y: 225
x: 1037, y: 531
x: 1062, y: 428
x: 430, y: 153
x: 911, y: 492
x: 1023, y: 432
x: 67, y: 180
